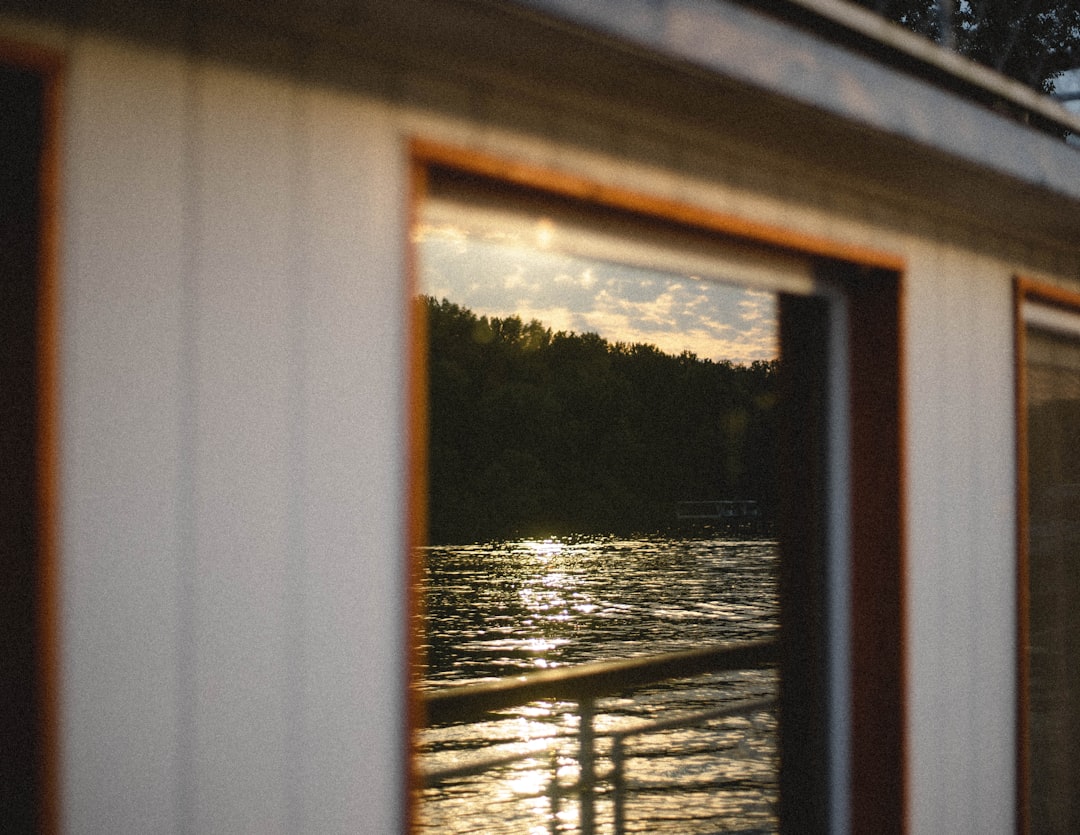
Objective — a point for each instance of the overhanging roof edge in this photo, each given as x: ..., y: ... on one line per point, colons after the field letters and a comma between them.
x: 843, y: 24
x: 854, y: 24
x: 714, y: 73
x: 749, y: 43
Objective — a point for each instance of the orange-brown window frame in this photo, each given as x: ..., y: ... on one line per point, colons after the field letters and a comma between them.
x: 1039, y: 292
x: 872, y: 283
x: 49, y: 66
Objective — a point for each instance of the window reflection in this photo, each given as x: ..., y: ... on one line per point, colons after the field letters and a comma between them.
x: 1053, y: 435
x: 584, y: 380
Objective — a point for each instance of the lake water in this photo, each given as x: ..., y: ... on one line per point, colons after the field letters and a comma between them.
x: 508, y: 608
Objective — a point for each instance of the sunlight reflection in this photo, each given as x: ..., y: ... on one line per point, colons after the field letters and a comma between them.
x: 543, y: 547
x: 542, y: 600
x: 532, y: 784
x: 529, y: 782
x: 530, y: 729
x: 545, y: 233
x: 536, y: 709
x: 542, y: 644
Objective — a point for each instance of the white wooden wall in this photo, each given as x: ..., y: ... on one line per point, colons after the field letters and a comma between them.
x: 233, y: 368
x: 962, y: 544
x: 232, y: 459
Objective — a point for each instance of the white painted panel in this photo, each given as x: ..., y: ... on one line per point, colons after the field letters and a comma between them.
x: 934, y: 739
x: 353, y: 496
x: 993, y: 551
x: 120, y: 536
x: 962, y: 544
x: 946, y: 668
x: 233, y: 454
x: 244, y: 562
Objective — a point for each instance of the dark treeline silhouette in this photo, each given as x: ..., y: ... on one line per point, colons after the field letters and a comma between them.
x: 540, y: 433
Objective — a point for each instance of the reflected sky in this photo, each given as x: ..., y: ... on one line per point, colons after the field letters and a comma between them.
x: 502, y: 274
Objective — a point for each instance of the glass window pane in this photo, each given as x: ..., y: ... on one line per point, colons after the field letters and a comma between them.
x: 1053, y: 437
x: 602, y: 468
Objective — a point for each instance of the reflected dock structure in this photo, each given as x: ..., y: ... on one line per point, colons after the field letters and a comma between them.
x: 722, y: 514
x: 734, y: 510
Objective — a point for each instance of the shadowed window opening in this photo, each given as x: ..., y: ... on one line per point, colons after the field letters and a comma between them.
x: 21, y: 141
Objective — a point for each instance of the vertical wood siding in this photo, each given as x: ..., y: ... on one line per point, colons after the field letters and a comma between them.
x: 232, y: 453
x: 962, y: 557
x: 242, y: 560
x: 123, y: 184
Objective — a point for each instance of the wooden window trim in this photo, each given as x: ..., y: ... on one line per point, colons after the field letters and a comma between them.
x: 50, y: 66
x: 872, y: 282
x: 1026, y: 290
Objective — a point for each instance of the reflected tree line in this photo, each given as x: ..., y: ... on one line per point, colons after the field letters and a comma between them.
x: 541, y: 433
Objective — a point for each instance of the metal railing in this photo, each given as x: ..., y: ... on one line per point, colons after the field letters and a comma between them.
x: 585, y: 684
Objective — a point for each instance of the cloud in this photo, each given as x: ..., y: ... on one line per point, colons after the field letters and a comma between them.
x: 757, y: 306
x: 512, y: 281
x: 497, y: 276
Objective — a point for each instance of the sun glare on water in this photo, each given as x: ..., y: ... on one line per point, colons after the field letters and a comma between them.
x: 544, y: 548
